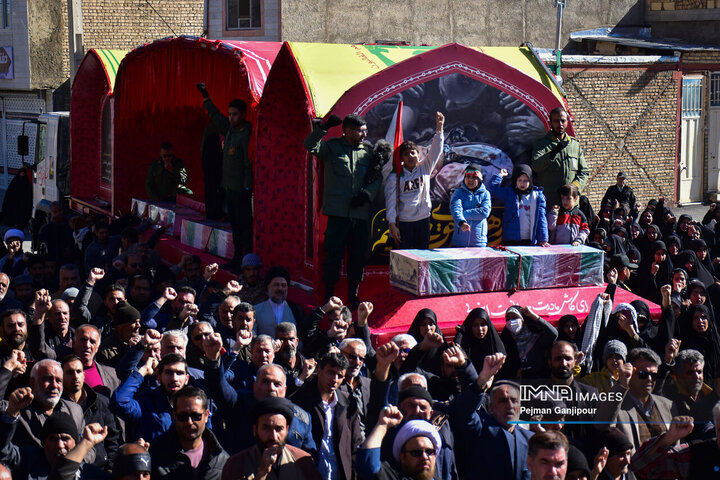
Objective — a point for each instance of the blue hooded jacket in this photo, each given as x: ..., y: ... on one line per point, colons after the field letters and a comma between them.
x: 472, y: 208
x: 511, y: 212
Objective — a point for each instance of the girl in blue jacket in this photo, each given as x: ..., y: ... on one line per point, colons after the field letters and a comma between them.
x: 524, y: 221
x: 470, y: 208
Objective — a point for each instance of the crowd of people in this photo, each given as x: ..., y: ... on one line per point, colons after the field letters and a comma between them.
x: 115, y: 365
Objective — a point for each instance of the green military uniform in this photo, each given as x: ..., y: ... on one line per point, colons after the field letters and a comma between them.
x: 162, y: 184
x: 236, y: 177
x: 554, y: 171
x: 345, y: 167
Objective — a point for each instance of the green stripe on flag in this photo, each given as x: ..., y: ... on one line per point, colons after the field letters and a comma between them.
x: 189, y: 233
x: 589, y: 262
x: 443, y: 275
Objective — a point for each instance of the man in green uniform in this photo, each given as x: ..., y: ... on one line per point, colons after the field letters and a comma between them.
x: 166, y: 176
x: 236, y: 173
x: 348, y: 193
x: 558, y: 159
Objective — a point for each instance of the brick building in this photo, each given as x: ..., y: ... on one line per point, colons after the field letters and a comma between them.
x: 624, y: 119
x: 42, y: 40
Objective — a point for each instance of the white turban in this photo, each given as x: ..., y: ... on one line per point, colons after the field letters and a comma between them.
x: 415, y: 428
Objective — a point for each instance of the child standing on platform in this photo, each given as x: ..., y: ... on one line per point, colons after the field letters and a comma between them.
x: 407, y: 196
x: 567, y: 224
x: 524, y: 216
x: 470, y: 208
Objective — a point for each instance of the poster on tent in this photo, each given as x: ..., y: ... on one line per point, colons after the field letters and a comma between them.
x: 484, y: 127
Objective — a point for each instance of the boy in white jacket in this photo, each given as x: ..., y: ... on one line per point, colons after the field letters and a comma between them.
x: 407, y: 197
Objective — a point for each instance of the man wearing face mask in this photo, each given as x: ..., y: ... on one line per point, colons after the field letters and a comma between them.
x: 526, y: 337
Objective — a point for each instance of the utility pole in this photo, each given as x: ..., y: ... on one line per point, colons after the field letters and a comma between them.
x: 560, y: 5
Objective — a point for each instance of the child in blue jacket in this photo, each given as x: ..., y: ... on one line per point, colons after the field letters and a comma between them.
x: 524, y: 221
x: 470, y: 208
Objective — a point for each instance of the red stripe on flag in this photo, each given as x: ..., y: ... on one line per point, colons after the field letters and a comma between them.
x: 397, y: 161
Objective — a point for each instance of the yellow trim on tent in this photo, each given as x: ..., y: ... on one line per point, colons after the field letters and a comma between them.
x: 111, y: 62
x: 331, y: 69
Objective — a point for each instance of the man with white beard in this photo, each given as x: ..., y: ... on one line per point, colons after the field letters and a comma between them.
x: 356, y: 386
x: 6, y: 303
x: 46, y: 382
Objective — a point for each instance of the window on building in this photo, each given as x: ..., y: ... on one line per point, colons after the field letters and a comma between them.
x: 6, y: 20
x: 715, y: 90
x: 243, y: 14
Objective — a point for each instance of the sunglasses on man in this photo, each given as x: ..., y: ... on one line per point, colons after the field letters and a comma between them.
x: 430, y: 452
x: 185, y: 416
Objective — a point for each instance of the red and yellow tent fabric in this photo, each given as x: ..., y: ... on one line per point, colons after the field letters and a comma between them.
x: 311, y: 81
x: 156, y: 100
x: 93, y: 85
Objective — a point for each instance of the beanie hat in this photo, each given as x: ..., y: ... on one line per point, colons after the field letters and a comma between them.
x: 415, y: 428
x: 125, y: 313
x: 576, y: 461
x: 614, y: 347
x: 415, y: 392
x: 70, y: 292
x: 251, y: 260
x: 59, y: 422
x: 615, y: 441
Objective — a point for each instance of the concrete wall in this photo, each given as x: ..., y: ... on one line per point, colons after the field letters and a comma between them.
x: 47, y: 32
x: 474, y: 22
x: 625, y: 120
x: 691, y: 20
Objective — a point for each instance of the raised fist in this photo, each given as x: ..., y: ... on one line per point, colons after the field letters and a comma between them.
x: 332, y: 304
x: 364, y: 311
x: 95, y: 275
x: 454, y: 357
x: 332, y: 121
x: 94, y: 433
x: 19, y: 399
x: 210, y: 270
x: 390, y: 416
x: 170, y: 294
x: 386, y: 354
x: 212, y: 346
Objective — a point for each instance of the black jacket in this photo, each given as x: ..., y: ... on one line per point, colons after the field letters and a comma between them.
x: 168, y: 460
x: 97, y: 410
x: 347, y: 434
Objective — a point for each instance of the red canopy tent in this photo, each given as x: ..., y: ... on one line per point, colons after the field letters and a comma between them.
x: 157, y: 101
x: 92, y: 91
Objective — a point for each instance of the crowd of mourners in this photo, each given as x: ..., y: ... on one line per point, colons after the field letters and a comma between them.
x: 115, y: 365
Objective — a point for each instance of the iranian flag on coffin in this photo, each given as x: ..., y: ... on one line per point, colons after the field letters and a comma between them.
x: 449, y: 270
x: 556, y: 266
x: 211, y: 237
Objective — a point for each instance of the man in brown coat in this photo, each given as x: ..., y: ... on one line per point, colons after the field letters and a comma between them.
x: 271, y: 458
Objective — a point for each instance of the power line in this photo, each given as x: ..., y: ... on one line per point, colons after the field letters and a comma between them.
x: 161, y: 17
